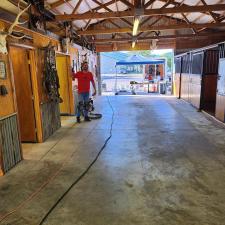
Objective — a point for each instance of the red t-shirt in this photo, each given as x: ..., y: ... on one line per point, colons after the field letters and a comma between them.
x: 84, y: 79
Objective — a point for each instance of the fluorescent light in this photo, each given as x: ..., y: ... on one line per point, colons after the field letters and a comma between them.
x: 133, y: 44
x: 135, y: 26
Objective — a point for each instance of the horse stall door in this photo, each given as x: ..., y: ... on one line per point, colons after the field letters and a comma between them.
x: 220, y: 98
x: 62, y: 69
x: 209, y: 81
x: 24, y: 93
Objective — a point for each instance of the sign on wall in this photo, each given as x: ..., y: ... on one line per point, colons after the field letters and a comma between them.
x: 2, y: 70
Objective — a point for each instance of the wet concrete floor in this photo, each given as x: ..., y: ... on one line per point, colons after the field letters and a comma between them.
x: 164, y: 165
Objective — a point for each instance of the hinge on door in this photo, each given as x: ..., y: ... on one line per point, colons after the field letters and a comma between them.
x: 32, y: 97
x: 35, y: 130
x: 28, y: 61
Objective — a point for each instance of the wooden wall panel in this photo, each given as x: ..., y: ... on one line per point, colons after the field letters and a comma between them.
x: 185, y: 79
x: 220, y: 108
x: 7, y: 104
x: 177, y: 86
x: 195, y: 90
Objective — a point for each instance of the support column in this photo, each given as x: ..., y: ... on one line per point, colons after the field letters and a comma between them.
x: 98, y: 74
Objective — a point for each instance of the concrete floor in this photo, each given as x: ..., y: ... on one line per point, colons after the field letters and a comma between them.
x: 165, y: 165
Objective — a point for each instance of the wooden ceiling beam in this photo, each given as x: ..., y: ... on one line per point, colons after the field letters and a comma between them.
x: 109, y: 10
x: 211, y: 14
x: 152, y: 28
x: 147, y: 12
x: 165, y: 37
x: 116, y: 25
x: 138, y: 46
x: 77, y: 6
x: 188, y: 22
x: 149, y: 3
x: 157, y: 20
x: 182, y: 3
x: 58, y: 3
x: 127, y: 3
x: 105, y: 4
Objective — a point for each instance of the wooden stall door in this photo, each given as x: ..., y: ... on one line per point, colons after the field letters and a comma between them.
x: 62, y: 69
x: 220, y: 98
x: 177, y: 84
x: 24, y: 93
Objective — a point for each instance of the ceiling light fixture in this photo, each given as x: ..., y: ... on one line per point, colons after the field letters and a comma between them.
x: 136, y: 25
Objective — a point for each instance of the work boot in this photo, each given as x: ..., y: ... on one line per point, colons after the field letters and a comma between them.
x: 78, y: 119
x: 86, y: 118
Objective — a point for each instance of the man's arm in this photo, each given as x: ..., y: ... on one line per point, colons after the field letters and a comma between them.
x: 74, y: 75
x: 93, y: 84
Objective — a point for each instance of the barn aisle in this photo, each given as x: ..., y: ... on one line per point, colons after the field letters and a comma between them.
x: 165, y: 164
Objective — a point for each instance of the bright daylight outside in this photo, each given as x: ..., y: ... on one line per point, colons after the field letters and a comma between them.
x: 137, y: 72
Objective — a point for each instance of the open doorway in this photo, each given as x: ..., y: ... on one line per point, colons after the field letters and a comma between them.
x: 24, y: 93
x: 137, y: 72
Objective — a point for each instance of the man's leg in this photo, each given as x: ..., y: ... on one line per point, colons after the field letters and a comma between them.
x: 86, y: 100
x: 80, y: 102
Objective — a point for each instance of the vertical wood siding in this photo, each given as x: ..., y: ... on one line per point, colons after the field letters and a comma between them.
x: 50, y: 118
x: 9, y: 143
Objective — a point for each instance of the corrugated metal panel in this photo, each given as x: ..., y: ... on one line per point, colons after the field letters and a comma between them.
x: 9, y: 142
x: 50, y: 118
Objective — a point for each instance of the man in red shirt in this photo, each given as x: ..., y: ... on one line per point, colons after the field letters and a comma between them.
x: 84, y: 78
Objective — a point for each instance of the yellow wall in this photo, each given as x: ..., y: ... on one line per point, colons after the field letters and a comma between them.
x: 65, y: 83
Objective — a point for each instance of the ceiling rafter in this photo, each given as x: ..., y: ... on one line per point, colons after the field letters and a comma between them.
x: 117, y: 8
x: 212, y: 15
x: 182, y: 3
x: 147, y: 12
x: 127, y: 3
x: 146, y: 5
x: 116, y: 25
x: 77, y: 6
x: 212, y: 21
x: 188, y: 22
x: 179, y: 15
x: 147, y: 33
x: 58, y: 3
x: 109, y: 10
x: 118, y: 40
x: 153, y: 28
x: 157, y: 20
